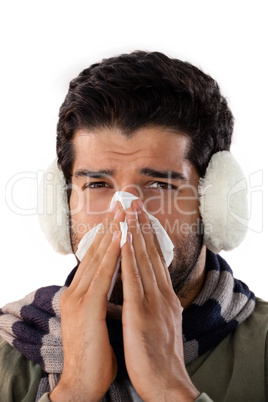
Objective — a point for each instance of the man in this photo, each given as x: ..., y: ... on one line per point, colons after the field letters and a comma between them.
x: 152, y: 126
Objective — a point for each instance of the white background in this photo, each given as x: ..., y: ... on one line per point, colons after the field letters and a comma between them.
x: 46, y: 44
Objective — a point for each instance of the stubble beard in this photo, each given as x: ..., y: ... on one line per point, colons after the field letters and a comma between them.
x: 182, y: 268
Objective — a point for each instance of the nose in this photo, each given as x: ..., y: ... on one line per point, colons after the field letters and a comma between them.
x: 132, y: 189
x: 125, y: 198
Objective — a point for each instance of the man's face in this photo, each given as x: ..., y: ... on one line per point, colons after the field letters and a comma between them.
x: 152, y: 165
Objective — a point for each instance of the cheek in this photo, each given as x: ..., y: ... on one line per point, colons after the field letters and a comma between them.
x: 86, y: 213
x: 173, y: 205
x: 186, y: 203
x: 181, y: 228
x: 187, y: 209
x: 82, y: 203
x: 180, y: 219
x: 183, y: 202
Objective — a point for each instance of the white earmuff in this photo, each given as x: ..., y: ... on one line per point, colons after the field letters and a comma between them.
x: 53, y: 209
x: 223, y: 203
x: 222, y: 195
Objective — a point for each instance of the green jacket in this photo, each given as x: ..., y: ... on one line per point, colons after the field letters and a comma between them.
x: 235, y: 371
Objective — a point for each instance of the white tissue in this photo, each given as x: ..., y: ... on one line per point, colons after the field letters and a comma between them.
x: 126, y: 200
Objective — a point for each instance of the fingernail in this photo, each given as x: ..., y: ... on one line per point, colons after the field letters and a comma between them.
x: 113, y: 206
x: 101, y: 228
x: 129, y: 237
x: 117, y: 213
x: 135, y: 213
x: 116, y: 234
x: 140, y: 204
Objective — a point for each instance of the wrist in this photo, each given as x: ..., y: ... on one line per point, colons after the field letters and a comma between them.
x: 182, y: 395
x: 63, y: 394
x: 185, y: 392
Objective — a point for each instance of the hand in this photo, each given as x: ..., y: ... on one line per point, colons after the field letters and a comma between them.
x: 152, y: 318
x: 89, y: 361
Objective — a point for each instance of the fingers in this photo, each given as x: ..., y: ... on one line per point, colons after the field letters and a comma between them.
x: 90, y: 252
x: 133, y: 288
x: 153, y: 247
x: 101, y: 282
x: 145, y: 263
x: 143, y: 260
x: 96, y: 252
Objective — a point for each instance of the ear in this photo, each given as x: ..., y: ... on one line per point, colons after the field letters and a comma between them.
x: 223, y: 203
x: 53, y: 209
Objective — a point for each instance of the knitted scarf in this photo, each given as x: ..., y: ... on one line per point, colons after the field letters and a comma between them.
x: 33, y: 324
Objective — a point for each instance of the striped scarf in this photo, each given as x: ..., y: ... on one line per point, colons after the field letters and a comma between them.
x: 33, y: 324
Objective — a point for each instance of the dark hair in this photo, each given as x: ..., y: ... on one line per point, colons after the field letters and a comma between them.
x: 145, y: 89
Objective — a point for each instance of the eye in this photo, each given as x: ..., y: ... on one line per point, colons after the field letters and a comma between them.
x: 162, y: 185
x: 97, y: 184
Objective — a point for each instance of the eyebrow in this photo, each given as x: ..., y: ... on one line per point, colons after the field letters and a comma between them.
x: 146, y: 171
x: 163, y: 174
x: 94, y: 174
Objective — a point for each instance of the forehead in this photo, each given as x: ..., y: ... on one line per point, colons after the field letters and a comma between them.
x: 110, y: 146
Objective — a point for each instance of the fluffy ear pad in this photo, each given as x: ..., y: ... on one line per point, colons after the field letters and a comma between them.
x: 223, y: 203
x: 53, y: 209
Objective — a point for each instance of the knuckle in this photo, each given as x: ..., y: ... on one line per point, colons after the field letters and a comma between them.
x: 144, y: 256
x: 110, y: 250
x: 101, y: 276
x: 65, y: 303
x: 64, y: 296
x: 114, y: 226
x: 153, y: 250
x: 91, y: 251
x: 95, y: 258
x: 135, y: 282
x: 127, y: 252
